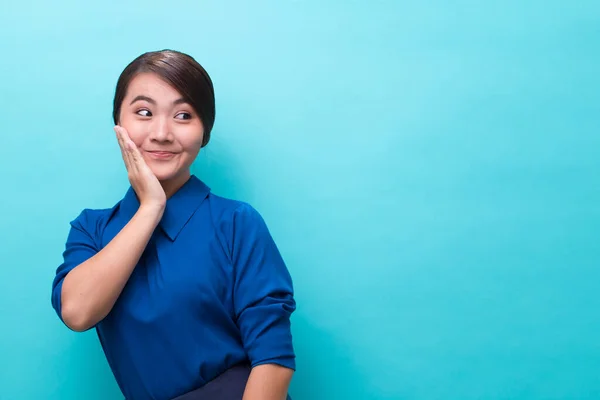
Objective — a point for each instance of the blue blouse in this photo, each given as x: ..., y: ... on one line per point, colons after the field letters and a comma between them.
x: 211, y: 290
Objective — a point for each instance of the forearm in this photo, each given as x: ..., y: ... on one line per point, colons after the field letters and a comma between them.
x: 268, y: 382
x: 91, y: 289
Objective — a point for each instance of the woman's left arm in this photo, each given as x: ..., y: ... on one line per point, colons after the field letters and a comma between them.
x: 263, y: 300
x: 268, y: 382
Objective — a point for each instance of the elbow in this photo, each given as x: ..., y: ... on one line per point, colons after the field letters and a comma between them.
x: 75, y: 318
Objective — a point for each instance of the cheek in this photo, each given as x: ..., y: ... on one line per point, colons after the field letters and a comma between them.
x: 192, y: 141
x: 136, y: 131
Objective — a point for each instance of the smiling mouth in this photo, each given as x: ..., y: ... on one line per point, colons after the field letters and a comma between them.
x: 161, y: 155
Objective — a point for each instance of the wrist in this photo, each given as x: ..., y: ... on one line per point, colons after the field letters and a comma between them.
x: 152, y: 211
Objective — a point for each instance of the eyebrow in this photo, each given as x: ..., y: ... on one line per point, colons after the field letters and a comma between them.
x: 152, y: 101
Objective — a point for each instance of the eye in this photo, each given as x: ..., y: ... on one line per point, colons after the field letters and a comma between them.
x: 144, y: 113
x: 183, y: 115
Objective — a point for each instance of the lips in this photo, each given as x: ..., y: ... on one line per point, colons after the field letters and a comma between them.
x: 161, y: 155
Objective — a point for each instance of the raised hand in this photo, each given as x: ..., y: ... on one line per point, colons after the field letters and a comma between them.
x: 147, y: 187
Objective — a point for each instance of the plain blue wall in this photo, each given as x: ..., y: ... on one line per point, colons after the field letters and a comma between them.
x: 430, y: 171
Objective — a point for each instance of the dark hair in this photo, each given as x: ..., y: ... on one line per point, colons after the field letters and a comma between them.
x: 182, y: 72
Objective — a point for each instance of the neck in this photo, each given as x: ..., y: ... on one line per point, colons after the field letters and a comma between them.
x: 172, y: 185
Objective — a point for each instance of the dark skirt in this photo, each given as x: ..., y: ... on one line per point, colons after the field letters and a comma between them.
x: 230, y: 385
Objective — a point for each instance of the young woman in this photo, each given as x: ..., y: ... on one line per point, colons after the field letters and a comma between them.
x: 188, y: 293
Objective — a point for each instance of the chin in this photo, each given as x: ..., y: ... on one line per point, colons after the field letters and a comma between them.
x: 171, y: 170
x: 166, y: 174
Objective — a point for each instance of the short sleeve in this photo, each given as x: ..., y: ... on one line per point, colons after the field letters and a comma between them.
x: 80, y: 246
x: 263, y: 294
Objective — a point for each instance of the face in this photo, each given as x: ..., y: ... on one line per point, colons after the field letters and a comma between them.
x: 166, y: 129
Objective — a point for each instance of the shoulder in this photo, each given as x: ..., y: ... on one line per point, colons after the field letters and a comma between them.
x: 93, y: 220
x: 232, y: 211
x: 237, y: 221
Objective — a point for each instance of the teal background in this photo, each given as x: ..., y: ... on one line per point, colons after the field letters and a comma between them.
x: 430, y: 171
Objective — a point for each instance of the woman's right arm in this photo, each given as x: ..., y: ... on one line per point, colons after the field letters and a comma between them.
x: 90, y: 290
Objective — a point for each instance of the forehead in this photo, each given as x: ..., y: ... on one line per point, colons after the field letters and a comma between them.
x: 152, y: 85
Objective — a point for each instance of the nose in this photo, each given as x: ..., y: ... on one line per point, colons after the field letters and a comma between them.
x: 161, y: 130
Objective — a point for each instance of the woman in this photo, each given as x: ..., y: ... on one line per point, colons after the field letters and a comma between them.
x: 187, y: 291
